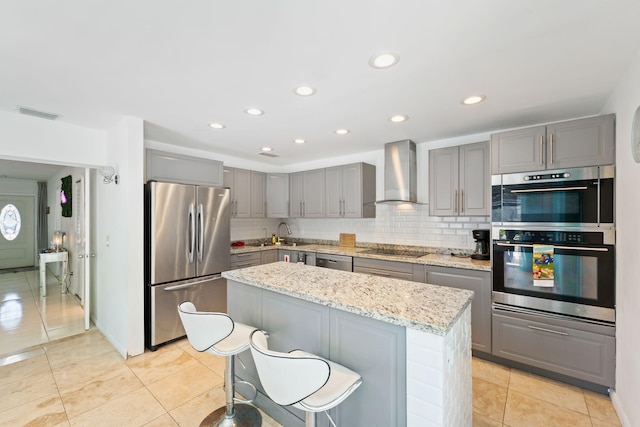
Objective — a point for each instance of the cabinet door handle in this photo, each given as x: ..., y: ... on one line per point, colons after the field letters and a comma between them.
x: 541, y: 150
x: 304, y: 208
x: 462, y: 201
x: 551, y: 148
x: 455, y: 201
x: 537, y: 328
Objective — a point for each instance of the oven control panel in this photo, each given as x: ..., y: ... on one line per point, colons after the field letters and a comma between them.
x: 552, y: 237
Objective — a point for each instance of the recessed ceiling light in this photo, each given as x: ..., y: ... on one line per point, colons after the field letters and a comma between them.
x: 253, y: 111
x: 384, y: 60
x: 216, y: 125
x: 398, y: 118
x: 474, y: 99
x: 267, y: 149
x: 304, y: 90
x: 299, y: 141
x: 342, y: 131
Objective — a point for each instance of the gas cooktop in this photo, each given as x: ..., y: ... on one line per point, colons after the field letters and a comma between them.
x: 391, y: 252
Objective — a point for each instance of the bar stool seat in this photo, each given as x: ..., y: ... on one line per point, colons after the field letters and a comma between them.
x: 218, y: 334
x: 302, y: 380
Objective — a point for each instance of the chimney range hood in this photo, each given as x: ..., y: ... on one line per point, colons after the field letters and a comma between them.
x: 400, y: 172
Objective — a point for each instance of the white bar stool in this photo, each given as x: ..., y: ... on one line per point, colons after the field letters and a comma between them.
x: 302, y: 380
x: 218, y: 334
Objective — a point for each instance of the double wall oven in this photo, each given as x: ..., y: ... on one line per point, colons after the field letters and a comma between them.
x: 570, y: 214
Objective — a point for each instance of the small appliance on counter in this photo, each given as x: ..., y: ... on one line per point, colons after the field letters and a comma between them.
x: 482, y: 244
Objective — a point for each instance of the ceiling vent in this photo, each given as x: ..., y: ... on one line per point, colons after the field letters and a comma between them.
x: 35, y: 113
x: 264, y: 153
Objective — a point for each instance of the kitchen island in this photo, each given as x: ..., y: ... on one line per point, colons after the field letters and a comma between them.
x: 411, y: 342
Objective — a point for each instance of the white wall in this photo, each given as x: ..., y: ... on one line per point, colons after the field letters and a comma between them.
x: 118, y: 296
x: 623, y: 102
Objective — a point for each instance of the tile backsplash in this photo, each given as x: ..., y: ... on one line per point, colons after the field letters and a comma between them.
x: 399, y: 224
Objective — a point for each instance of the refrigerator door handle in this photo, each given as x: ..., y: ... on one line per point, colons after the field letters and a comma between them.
x: 192, y: 284
x: 192, y: 234
x: 200, y: 232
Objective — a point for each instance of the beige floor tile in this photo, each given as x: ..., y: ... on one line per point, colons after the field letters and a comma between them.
x: 489, y: 399
x: 101, y: 390
x: 180, y: 387
x: 77, y: 374
x: 193, y: 411
x: 490, y: 371
x: 133, y: 409
x: 480, y: 420
x: 44, y: 412
x: 601, y: 408
x: 24, y: 369
x: 213, y: 362
x: 86, y: 346
x: 599, y: 423
x: 10, y: 344
x: 18, y: 392
x: 165, y: 420
x: 551, y: 391
x: 525, y: 411
x: 153, y: 366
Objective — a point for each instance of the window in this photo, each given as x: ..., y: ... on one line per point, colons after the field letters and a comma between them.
x: 10, y: 222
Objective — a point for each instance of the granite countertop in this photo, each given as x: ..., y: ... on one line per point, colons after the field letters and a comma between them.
x: 429, y: 308
x: 444, y: 260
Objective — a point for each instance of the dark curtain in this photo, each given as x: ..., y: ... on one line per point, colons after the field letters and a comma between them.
x: 65, y: 196
x: 42, y: 224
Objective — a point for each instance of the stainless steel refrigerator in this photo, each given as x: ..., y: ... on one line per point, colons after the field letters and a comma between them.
x: 186, y: 249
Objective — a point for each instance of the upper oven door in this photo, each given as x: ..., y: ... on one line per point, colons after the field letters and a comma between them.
x: 579, y: 200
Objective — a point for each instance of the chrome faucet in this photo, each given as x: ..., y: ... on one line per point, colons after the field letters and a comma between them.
x: 265, y: 235
x: 278, y: 229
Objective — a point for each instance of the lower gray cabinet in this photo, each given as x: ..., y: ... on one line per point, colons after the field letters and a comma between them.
x: 568, y: 347
x: 267, y: 257
x: 480, y: 283
x: 243, y: 260
x: 374, y: 349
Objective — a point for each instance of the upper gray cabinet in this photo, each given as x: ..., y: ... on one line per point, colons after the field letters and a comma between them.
x: 307, y: 194
x: 350, y: 191
x: 171, y: 167
x: 277, y: 195
x: 459, y: 180
x: 258, y: 194
x: 576, y: 143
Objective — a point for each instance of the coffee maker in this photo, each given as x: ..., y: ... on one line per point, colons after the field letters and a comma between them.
x: 482, y: 244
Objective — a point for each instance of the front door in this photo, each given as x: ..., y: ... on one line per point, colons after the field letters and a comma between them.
x: 17, y: 231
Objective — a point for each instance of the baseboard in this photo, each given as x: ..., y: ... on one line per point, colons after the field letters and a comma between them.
x: 617, y: 405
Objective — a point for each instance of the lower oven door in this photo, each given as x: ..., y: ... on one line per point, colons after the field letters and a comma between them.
x: 583, y: 283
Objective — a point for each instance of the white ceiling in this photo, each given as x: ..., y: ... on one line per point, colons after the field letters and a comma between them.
x: 181, y: 65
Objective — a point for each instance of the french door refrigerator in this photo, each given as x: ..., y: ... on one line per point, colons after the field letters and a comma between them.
x: 186, y: 249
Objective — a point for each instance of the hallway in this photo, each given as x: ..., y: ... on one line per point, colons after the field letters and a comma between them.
x: 27, y: 320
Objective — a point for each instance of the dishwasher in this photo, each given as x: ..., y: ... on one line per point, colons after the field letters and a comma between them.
x: 335, y: 262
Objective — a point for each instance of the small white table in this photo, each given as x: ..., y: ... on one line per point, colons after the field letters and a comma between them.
x: 45, y: 257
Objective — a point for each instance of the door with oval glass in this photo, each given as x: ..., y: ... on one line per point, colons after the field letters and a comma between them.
x: 17, y: 231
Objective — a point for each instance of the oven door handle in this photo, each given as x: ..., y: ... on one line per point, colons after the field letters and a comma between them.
x: 544, y: 190
x: 577, y: 248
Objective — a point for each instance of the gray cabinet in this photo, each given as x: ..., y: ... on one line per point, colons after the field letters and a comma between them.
x: 374, y: 349
x: 277, y: 195
x: 307, y: 194
x: 267, y: 257
x: 570, y: 144
x: 383, y: 268
x: 480, y: 283
x: 243, y: 260
x: 171, y: 167
x: 581, y: 350
x: 459, y: 180
x: 258, y: 194
x: 239, y: 181
x: 350, y: 191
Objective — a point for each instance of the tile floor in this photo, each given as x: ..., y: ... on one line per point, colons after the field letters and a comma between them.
x: 83, y: 381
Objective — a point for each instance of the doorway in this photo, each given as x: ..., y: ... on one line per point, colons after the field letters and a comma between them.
x: 17, y: 231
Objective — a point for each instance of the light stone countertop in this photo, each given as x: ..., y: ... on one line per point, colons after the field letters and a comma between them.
x: 444, y: 260
x: 429, y: 308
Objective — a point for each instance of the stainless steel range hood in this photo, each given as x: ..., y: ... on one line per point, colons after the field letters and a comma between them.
x: 400, y: 172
